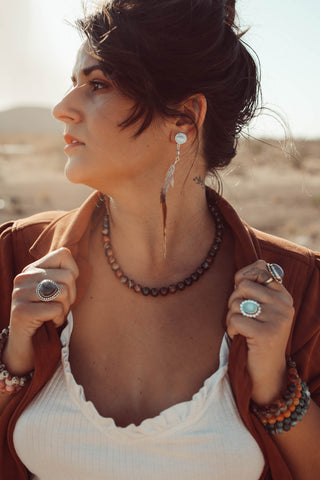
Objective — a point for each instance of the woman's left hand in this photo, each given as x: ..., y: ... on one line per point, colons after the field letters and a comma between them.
x: 267, y: 334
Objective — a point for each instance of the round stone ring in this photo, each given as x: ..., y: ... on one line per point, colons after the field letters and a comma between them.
x: 48, y: 290
x: 250, y: 308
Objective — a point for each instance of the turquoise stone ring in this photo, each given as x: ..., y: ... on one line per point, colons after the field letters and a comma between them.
x: 250, y: 308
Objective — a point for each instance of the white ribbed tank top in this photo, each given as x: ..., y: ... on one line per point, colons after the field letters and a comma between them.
x: 61, y: 436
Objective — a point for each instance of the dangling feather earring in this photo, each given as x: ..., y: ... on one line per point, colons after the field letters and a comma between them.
x: 180, y: 139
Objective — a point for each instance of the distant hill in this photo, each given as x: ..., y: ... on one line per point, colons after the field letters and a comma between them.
x: 28, y: 120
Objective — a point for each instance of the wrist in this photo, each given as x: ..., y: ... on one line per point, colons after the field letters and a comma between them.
x: 282, y: 414
x: 16, y: 361
x: 17, y: 353
x: 16, y: 372
x: 268, y: 392
x: 269, y: 387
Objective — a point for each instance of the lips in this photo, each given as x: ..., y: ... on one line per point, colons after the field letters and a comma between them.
x: 70, y: 140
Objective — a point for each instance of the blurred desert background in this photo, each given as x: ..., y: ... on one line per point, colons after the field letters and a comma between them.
x: 272, y: 190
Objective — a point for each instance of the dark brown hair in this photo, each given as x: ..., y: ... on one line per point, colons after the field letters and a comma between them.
x: 161, y: 52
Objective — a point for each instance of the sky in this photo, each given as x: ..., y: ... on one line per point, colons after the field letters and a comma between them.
x: 38, y: 48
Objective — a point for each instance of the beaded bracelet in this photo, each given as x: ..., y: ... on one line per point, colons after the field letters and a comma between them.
x: 10, y: 383
x: 286, y: 412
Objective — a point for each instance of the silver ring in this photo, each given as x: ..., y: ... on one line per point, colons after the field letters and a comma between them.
x: 47, y: 290
x: 250, y: 308
x: 276, y: 273
x: 270, y: 280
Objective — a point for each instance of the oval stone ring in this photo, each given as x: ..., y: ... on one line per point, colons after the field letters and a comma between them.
x: 276, y: 273
x: 47, y: 290
x: 250, y: 308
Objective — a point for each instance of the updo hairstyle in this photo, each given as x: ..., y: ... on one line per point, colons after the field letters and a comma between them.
x: 161, y: 52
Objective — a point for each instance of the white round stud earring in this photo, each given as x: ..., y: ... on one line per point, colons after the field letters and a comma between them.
x: 181, y: 138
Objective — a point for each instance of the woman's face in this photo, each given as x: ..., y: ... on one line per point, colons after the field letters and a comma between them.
x: 99, y: 153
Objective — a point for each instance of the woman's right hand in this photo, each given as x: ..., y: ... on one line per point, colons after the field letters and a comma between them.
x: 28, y: 312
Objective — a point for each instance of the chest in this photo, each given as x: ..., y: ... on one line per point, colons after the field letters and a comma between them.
x: 134, y: 366
x: 136, y: 356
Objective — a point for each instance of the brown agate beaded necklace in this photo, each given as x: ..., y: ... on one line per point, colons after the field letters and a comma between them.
x: 174, y: 287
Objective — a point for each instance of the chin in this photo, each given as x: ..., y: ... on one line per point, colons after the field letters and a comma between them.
x: 79, y: 175
x: 74, y: 172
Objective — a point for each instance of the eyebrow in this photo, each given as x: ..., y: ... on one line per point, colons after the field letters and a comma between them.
x: 86, y: 71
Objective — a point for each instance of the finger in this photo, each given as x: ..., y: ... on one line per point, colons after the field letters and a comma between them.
x: 61, y: 259
x: 28, y: 317
x: 25, y: 284
x: 280, y: 320
x: 248, y: 289
x: 255, y: 291
x: 237, y: 324
x: 269, y: 313
x: 256, y: 272
x: 268, y: 330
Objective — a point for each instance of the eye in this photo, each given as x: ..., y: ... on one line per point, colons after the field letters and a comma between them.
x: 98, y: 85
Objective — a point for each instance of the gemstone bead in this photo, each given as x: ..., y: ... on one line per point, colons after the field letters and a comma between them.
x: 173, y: 288
x: 164, y: 291
x: 292, y: 387
x: 15, y: 381
x: 10, y: 389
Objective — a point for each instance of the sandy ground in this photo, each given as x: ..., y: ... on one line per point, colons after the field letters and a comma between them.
x: 270, y: 190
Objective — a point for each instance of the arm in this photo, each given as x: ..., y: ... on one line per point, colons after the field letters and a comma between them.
x: 267, y: 337
x: 28, y: 312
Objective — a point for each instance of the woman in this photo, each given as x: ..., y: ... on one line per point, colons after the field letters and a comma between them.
x: 150, y: 329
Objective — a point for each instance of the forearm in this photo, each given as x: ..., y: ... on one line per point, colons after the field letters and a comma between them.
x: 300, y: 446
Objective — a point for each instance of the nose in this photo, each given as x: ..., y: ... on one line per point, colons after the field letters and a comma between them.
x: 67, y: 110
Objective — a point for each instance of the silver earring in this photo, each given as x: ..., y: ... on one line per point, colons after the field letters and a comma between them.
x: 180, y: 139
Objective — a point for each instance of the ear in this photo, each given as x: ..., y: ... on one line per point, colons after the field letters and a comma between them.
x: 196, y: 108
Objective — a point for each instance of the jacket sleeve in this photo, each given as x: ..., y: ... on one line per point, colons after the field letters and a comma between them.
x: 14, y: 256
x: 7, y: 272
x: 307, y: 327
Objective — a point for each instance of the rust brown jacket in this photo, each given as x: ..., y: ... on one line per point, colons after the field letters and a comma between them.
x: 23, y: 241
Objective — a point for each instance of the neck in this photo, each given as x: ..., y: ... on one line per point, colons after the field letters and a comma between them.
x: 136, y: 231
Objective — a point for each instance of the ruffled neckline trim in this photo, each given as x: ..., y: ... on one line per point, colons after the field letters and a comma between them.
x: 173, y: 417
